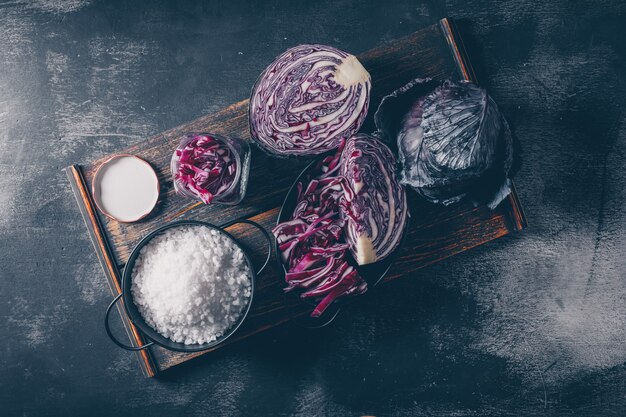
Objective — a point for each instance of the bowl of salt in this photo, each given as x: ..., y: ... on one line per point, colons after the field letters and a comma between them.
x: 188, y: 286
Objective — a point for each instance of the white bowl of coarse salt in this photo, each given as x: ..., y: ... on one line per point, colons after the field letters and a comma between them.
x: 188, y: 286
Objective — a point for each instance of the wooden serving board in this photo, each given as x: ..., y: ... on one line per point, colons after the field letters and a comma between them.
x: 435, y: 232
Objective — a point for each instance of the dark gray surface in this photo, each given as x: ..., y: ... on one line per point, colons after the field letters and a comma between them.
x: 531, y: 324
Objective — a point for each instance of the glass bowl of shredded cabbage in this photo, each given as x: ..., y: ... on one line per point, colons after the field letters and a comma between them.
x: 211, y: 168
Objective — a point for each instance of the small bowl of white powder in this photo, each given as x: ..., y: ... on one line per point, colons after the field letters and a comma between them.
x: 188, y: 286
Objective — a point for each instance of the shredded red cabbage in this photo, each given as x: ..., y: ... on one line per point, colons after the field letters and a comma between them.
x: 206, y: 167
x: 312, y: 243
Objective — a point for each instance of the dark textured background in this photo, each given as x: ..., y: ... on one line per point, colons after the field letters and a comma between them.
x: 532, y: 324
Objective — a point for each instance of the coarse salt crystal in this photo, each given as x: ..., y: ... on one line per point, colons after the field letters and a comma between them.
x: 191, y: 284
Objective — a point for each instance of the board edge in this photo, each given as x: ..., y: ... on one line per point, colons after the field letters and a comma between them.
x: 464, y: 65
x: 101, y: 247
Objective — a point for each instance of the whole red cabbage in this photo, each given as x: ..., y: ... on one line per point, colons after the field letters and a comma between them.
x: 453, y: 141
x: 308, y: 100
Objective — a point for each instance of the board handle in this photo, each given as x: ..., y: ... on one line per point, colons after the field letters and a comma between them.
x: 265, y: 234
x: 110, y: 334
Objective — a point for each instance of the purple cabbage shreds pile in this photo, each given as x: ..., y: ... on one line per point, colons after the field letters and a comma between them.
x: 312, y: 243
x: 206, y: 167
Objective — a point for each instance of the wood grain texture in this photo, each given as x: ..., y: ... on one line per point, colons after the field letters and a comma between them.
x: 435, y: 232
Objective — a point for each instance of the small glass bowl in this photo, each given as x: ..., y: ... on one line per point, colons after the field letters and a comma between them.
x: 241, y: 151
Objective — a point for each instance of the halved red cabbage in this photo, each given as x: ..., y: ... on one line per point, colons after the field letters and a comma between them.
x: 312, y: 243
x: 206, y: 167
x: 308, y: 100
x: 376, y: 210
x: 453, y: 142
